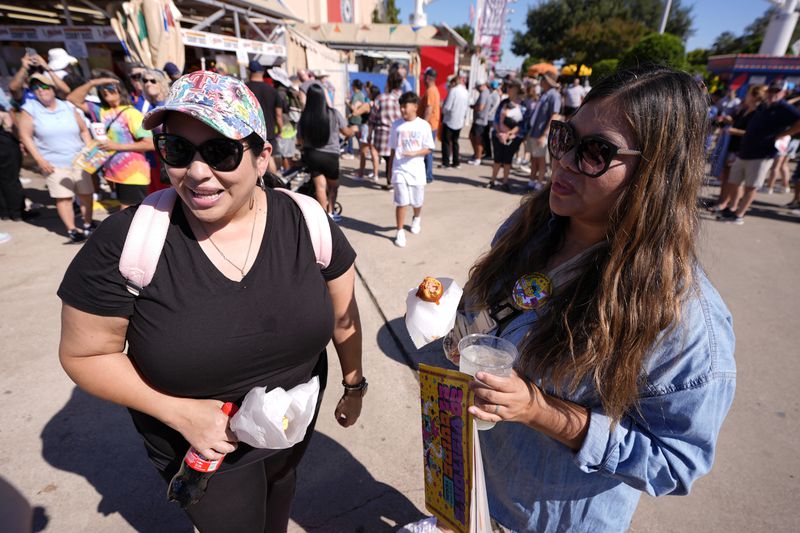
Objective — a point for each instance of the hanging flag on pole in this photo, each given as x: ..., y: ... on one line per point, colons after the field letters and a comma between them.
x: 392, y: 29
x: 471, y: 13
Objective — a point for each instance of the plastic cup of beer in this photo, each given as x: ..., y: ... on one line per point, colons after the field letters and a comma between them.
x: 486, y: 353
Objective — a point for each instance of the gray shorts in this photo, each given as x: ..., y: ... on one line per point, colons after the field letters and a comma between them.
x: 751, y: 172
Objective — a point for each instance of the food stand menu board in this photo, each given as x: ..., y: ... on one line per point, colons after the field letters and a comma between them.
x: 447, y: 445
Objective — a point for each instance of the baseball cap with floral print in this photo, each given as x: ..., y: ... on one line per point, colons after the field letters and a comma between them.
x: 224, y: 103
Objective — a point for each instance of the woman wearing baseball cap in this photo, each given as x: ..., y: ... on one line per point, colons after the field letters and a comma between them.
x: 237, y: 301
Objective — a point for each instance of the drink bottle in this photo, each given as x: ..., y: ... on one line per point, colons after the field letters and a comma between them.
x: 189, y: 485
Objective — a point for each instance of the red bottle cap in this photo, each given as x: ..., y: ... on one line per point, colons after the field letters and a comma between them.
x: 230, y: 408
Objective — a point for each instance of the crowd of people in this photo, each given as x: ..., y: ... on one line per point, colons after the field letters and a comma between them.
x: 750, y: 146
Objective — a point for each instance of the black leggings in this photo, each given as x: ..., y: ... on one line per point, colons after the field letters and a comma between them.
x: 254, y: 498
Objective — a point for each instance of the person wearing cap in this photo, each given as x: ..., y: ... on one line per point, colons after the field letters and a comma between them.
x: 430, y: 109
x: 538, y: 127
x: 33, y: 64
x: 286, y: 140
x: 358, y: 109
x: 774, y: 118
x: 479, y: 123
x: 172, y: 71
x: 495, y: 96
x: 119, y: 131
x: 454, y: 116
x: 271, y: 104
x: 237, y: 302
x: 53, y: 132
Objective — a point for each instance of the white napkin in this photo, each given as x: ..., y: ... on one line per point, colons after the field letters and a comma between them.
x: 427, y: 321
x: 260, y: 419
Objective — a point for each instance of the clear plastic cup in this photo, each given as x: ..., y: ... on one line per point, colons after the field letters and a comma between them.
x: 489, y: 354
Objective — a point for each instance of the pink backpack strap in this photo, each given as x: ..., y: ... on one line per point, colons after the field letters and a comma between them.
x: 145, y: 240
x: 148, y: 232
x: 318, y: 226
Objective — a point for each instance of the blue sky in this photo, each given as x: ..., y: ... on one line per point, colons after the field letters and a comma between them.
x: 711, y: 17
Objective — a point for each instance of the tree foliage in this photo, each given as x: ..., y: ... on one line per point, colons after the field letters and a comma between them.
x: 751, y: 38
x: 587, y: 31
x: 596, y: 40
x: 465, y: 31
x: 390, y: 14
x: 602, y: 69
x: 657, y: 49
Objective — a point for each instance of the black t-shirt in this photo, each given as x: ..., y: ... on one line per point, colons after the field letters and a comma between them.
x: 740, y: 121
x: 767, y: 122
x: 269, y: 99
x: 195, y: 333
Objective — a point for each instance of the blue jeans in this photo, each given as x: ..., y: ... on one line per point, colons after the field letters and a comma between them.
x: 429, y: 167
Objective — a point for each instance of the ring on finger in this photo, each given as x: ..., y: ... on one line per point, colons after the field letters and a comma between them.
x: 496, y: 408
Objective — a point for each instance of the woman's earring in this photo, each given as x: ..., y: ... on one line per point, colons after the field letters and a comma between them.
x: 260, y: 182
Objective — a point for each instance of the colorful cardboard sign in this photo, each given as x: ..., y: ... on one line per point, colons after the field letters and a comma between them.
x: 447, y: 445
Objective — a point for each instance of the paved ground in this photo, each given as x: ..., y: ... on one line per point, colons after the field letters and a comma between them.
x: 78, y: 462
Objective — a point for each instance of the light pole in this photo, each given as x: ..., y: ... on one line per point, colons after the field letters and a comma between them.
x: 665, y: 17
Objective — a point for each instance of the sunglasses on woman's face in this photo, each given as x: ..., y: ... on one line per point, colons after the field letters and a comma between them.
x: 149, y: 80
x: 110, y: 88
x: 593, y: 154
x: 220, y: 154
x: 136, y: 77
x: 42, y: 86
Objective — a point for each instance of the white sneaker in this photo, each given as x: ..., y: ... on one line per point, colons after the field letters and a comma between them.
x: 416, y: 225
x: 4, y: 237
x: 474, y: 162
x: 400, y: 239
x: 349, y: 157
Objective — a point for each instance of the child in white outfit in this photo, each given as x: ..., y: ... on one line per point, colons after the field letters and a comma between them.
x: 410, y: 141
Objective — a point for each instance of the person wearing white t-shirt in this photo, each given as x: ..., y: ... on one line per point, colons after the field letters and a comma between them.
x: 410, y: 140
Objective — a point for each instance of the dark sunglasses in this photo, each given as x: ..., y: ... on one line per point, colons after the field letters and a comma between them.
x: 41, y: 86
x: 136, y: 77
x: 110, y: 88
x: 150, y: 80
x: 220, y: 154
x: 593, y: 154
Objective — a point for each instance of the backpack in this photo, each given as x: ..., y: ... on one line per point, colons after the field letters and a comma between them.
x: 148, y: 232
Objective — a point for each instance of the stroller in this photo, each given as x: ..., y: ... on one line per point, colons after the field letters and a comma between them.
x: 298, y: 179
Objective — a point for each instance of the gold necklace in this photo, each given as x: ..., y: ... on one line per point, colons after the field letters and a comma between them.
x: 249, y: 246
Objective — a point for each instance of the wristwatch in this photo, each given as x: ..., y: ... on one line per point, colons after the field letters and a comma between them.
x: 359, y: 389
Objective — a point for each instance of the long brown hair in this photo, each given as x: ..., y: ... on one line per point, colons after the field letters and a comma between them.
x: 600, y: 327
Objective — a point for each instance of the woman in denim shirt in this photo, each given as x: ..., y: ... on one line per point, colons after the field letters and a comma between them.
x: 626, y: 367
